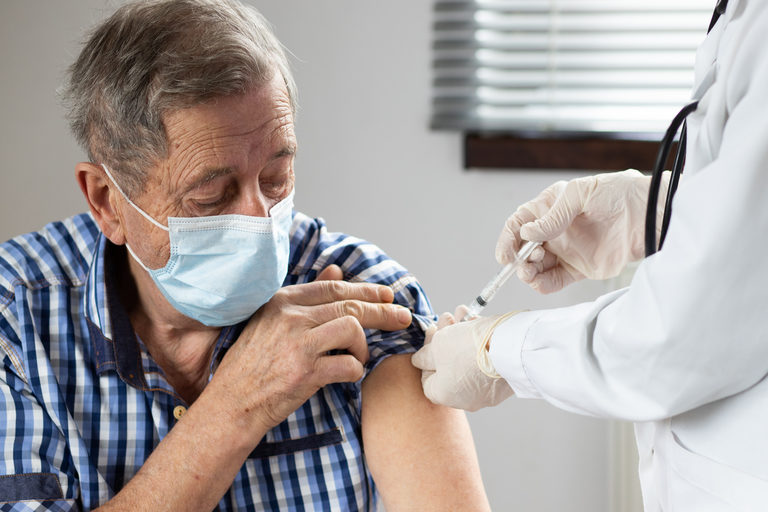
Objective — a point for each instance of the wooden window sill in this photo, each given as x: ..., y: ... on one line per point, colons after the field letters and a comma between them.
x: 577, y: 152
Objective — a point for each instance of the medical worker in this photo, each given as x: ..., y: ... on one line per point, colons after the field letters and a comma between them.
x: 683, y: 351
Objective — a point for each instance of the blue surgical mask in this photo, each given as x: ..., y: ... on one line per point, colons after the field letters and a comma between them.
x: 224, y: 267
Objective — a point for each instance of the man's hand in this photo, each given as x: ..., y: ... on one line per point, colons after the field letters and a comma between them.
x: 282, y: 357
x: 451, y: 362
x: 278, y: 362
x: 591, y: 227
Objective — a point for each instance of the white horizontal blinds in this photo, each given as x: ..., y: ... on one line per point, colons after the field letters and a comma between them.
x: 564, y: 65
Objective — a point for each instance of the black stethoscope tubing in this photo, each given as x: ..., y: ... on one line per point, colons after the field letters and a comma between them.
x: 677, y: 168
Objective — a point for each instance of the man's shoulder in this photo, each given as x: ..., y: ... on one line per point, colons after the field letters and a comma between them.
x: 314, y: 247
x: 58, y: 254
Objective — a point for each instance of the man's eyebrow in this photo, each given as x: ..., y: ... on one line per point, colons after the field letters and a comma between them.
x: 206, y: 176
x: 285, y: 151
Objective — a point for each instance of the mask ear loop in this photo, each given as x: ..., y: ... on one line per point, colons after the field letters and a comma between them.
x: 142, y: 212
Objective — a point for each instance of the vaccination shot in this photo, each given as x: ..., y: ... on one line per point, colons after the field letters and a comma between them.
x: 383, y: 256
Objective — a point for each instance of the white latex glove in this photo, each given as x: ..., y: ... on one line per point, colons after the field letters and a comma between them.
x: 456, y: 368
x: 591, y: 227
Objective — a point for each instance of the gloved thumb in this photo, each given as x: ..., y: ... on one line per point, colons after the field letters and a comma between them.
x: 553, y: 223
x: 423, y: 359
x: 431, y: 330
x: 431, y: 388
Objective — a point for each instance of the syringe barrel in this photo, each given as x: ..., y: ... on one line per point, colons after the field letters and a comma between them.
x: 482, y: 300
x: 498, y: 280
x: 507, y: 270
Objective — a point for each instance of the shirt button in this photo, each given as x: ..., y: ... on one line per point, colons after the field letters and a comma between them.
x: 179, y: 411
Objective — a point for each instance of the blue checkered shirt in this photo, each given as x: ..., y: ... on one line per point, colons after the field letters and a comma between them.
x: 83, y: 404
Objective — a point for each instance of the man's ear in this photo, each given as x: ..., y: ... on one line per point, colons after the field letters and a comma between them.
x: 102, y: 199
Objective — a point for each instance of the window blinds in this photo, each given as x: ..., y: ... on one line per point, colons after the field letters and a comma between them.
x: 599, y: 66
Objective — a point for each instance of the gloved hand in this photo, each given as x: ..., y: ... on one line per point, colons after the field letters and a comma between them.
x: 591, y: 227
x: 456, y: 368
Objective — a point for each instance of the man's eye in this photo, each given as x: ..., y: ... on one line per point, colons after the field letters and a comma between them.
x: 208, y: 204
x: 275, y: 187
x: 211, y: 203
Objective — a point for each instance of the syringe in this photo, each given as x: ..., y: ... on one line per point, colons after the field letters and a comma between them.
x: 499, y: 279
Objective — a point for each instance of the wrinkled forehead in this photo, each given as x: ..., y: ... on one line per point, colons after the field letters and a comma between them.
x: 238, y: 133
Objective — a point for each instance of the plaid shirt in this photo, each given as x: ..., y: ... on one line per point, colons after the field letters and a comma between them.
x: 83, y: 404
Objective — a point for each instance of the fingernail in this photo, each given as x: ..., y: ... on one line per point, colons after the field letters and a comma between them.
x: 403, y: 315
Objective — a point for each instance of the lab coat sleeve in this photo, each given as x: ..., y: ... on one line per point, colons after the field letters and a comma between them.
x: 692, y: 327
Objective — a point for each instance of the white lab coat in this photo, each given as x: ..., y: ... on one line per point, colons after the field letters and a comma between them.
x: 683, y: 351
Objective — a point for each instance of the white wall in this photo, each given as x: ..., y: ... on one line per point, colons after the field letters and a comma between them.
x: 369, y: 165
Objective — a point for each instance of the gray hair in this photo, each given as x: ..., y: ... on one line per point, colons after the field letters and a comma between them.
x: 153, y: 57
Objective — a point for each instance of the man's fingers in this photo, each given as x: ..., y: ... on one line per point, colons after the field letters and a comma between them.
x: 330, y: 273
x: 324, y: 292
x: 338, y: 368
x: 387, y: 317
x: 343, y: 333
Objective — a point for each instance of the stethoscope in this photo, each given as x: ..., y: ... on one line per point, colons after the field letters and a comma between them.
x: 677, y: 167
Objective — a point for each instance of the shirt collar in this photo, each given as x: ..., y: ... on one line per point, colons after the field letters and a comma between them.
x: 115, y: 344
x: 114, y: 341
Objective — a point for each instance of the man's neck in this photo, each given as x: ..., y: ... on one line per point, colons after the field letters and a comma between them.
x: 182, y: 347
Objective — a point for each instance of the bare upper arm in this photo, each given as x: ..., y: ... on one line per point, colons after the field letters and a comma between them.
x: 421, y: 455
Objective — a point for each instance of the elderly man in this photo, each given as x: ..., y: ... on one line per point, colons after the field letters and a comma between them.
x: 193, y: 343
